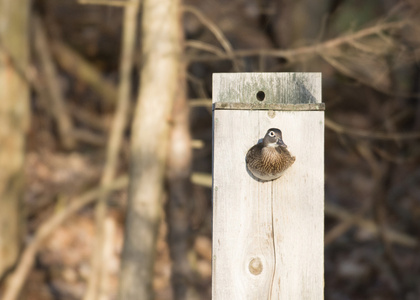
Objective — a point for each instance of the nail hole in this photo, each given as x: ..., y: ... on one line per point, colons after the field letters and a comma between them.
x: 260, y: 96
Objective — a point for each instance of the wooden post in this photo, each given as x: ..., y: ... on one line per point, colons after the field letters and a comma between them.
x: 268, y: 237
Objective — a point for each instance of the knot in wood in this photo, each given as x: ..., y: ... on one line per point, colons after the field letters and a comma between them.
x: 255, y: 266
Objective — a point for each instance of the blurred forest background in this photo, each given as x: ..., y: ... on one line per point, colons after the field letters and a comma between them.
x: 71, y: 73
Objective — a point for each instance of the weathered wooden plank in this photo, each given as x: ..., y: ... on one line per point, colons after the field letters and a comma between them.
x: 278, y: 88
x: 267, y: 236
x: 270, y: 106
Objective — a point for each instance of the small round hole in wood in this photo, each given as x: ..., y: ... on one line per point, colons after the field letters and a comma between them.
x: 260, y: 96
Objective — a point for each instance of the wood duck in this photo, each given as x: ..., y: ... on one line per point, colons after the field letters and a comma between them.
x: 269, y: 159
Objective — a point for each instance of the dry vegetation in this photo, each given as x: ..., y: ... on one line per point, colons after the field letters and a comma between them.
x: 368, y: 53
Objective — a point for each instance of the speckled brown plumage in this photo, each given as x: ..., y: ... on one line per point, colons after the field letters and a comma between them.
x: 269, y: 159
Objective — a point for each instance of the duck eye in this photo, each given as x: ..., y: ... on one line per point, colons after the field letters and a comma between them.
x: 271, y: 133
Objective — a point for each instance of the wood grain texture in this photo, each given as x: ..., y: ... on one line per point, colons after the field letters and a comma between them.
x: 270, y: 106
x: 267, y: 236
x: 291, y: 88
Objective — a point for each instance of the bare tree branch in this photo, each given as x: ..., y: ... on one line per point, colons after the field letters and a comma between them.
x: 75, y: 64
x: 369, y: 134
x: 307, y: 52
x: 59, y: 110
x: 217, y: 33
x: 120, y: 3
x: 204, y: 46
x: 18, y: 276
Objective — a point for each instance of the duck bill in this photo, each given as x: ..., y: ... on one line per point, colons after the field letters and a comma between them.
x: 281, y: 143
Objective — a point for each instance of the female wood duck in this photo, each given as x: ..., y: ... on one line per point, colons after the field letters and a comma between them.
x: 269, y: 159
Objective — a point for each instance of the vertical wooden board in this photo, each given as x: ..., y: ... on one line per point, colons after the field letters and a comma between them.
x: 278, y: 222
x: 298, y: 209
x: 241, y: 217
x: 276, y: 227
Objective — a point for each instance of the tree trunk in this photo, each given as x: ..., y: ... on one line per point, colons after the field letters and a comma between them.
x: 14, y: 118
x: 159, y: 73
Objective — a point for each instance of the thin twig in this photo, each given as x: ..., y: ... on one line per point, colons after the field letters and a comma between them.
x: 367, y: 49
x: 369, y: 134
x: 59, y: 110
x: 217, y: 33
x: 345, y: 225
x: 333, y: 43
x: 350, y: 73
x: 381, y: 172
x: 200, y: 103
x: 84, y: 71
x: 89, y: 137
x: 89, y: 118
x: 197, y: 144
x: 198, y: 85
x: 204, y: 46
x: 202, y: 179
x: 309, y: 51
x: 105, y: 2
x: 18, y: 277
x: 370, y: 226
x: 97, y: 280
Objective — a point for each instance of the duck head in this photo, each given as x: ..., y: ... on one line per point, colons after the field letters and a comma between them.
x: 273, y: 138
